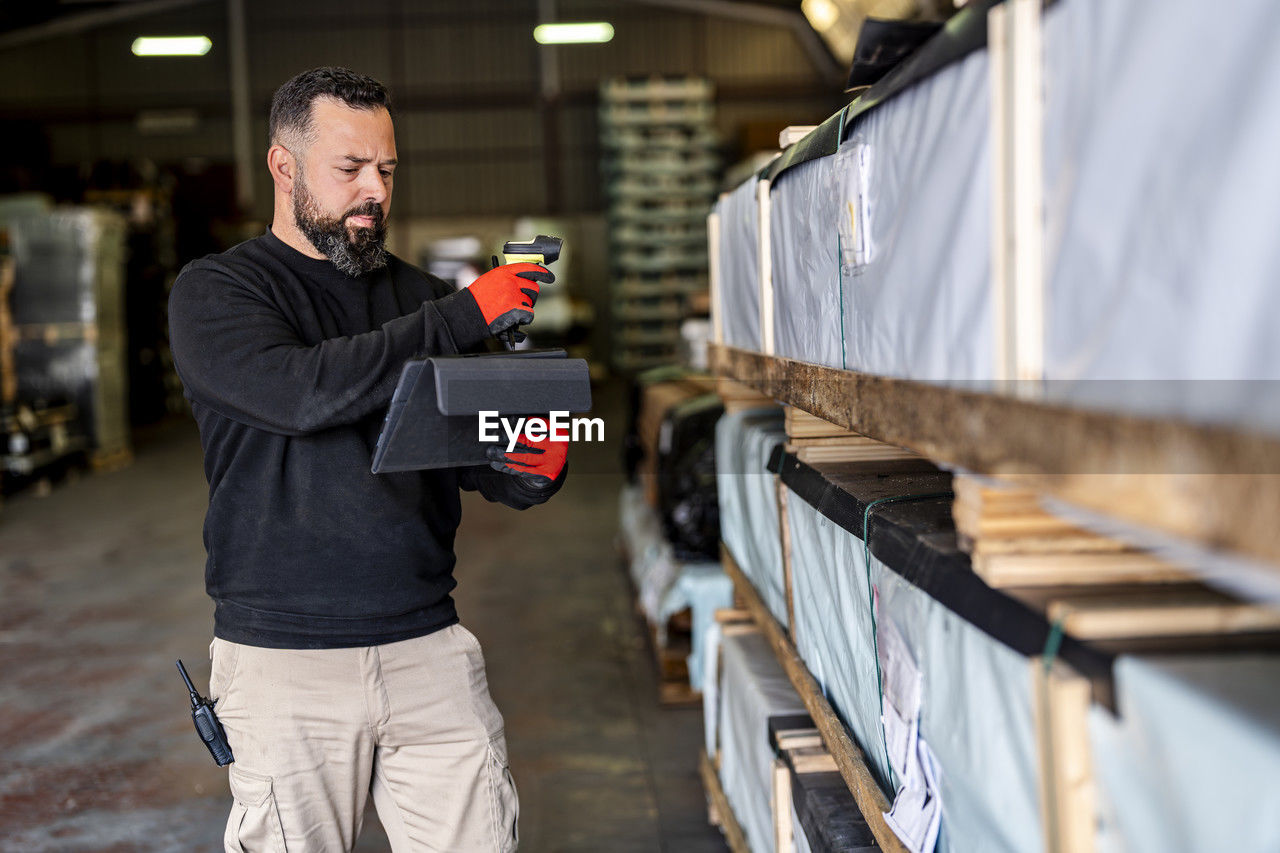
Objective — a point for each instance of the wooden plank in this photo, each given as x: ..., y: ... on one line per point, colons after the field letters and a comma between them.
x: 1179, y: 612
x: 713, y: 275
x: 1213, y: 485
x: 1061, y: 708
x: 848, y: 757
x: 765, y: 265
x: 1062, y: 569
x: 720, y: 813
x: 731, y: 615
x: 824, y: 453
x: 801, y: 424
x: 788, y: 581
x: 780, y: 804
x: 737, y: 396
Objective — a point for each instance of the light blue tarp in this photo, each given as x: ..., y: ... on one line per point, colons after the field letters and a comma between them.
x: 805, y: 209
x: 749, y: 499
x: 976, y: 714
x: 666, y: 585
x: 1162, y: 194
x: 881, y: 255
x: 753, y: 688
x: 740, y: 267
x: 1192, y: 763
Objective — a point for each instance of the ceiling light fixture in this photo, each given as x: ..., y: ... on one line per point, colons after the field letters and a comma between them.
x: 597, y: 32
x: 171, y: 45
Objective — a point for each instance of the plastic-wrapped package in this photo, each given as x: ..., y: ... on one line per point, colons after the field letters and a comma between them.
x: 915, y: 223
x: 665, y: 584
x: 740, y: 266
x: 68, y: 311
x: 749, y: 499
x: 704, y: 588
x: 1162, y: 189
x: 976, y: 712
x: 753, y: 688
x: 881, y: 257
x: 1192, y: 762
x: 804, y: 213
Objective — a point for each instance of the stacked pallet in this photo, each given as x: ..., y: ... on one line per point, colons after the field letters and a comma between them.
x: 660, y: 175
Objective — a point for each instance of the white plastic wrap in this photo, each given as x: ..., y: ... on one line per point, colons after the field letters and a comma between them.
x: 749, y: 499
x: 1162, y: 190
x: 740, y: 266
x: 976, y: 712
x: 881, y: 258
x: 704, y: 588
x: 664, y: 584
x: 711, y: 688
x: 1193, y: 761
x: 753, y: 688
x: 804, y: 212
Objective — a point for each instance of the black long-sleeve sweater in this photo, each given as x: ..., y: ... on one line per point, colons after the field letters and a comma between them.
x: 289, y: 366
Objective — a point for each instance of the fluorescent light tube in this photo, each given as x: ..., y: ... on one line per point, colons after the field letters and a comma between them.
x: 171, y: 45
x: 584, y: 33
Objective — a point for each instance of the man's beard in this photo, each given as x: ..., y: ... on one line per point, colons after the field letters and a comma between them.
x: 352, y: 251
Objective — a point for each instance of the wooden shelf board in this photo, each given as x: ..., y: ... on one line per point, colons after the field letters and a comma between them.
x: 1215, y: 486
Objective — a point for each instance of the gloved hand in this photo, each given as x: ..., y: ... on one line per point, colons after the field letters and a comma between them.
x: 538, y: 463
x: 506, y: 294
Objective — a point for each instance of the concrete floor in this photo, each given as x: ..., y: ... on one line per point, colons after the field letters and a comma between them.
x: 101, y: 588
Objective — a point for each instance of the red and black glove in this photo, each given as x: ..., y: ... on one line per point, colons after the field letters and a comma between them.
x: 506, y: 294
x: 538, y: 463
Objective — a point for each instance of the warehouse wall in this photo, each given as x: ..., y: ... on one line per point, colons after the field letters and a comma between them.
x: 465, y: 79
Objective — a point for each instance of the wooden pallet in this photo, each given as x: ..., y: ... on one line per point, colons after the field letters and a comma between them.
x: 719, y: 812
x: 1013, y: 541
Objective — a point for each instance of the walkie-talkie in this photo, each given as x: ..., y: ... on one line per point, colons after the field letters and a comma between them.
x: 207, y: 725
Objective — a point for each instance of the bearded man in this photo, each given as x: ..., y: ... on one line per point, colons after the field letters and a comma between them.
x: 339, y: 666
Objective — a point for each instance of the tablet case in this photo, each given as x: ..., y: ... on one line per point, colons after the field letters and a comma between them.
x: 433, y: 419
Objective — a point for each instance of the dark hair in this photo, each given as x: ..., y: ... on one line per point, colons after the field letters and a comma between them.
x: 291, y: 104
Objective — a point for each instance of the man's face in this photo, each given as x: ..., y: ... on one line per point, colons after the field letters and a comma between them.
x: 342, y: 192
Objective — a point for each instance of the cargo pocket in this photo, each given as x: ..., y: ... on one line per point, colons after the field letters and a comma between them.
x: 504, y: 803
x: 254, y: 824
x: 223, y: 658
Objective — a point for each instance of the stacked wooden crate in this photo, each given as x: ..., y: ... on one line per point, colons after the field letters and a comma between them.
x: 660, y: 170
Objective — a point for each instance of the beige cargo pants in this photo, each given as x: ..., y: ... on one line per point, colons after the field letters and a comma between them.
x: 314, y: 732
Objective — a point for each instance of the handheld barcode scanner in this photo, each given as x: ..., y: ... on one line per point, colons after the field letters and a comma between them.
x: 543, y: 249
x: 434, y: 420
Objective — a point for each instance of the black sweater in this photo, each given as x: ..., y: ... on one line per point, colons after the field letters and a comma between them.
x: 289, y: 366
